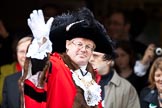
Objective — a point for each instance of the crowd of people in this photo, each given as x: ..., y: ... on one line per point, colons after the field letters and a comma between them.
x: 71, y: 60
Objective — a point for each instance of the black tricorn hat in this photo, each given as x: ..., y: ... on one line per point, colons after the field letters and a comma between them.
x: 80, y: 24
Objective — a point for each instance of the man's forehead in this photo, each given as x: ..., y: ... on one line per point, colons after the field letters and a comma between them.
x: 97, y: 53
x: 83, y: 39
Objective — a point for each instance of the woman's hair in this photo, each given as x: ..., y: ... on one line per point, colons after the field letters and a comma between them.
x: 157, y: 64
x: 17, y: 42
x: 24, y: 39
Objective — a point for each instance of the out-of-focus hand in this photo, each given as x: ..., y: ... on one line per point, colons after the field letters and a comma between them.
x: 38, y: 26
x: 3, y: 31
x: 149, y: 54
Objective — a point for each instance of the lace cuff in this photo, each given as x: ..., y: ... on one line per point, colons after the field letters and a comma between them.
x: 37, y: 52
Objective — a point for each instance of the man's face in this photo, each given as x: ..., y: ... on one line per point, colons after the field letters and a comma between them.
x: 116, y: 26
x: 98, y: 63
x: 80, y: 50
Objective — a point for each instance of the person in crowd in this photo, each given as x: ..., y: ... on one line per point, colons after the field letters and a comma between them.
x: 10, y: 92
x: 116, y: 91
x: 142, y: 66
x: 8, y: 69
x: 124, y: 64
x: 150, y: 96
x: 118, y: 24
x: 67, y: 79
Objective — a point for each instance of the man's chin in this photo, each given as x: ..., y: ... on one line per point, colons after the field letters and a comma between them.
x: 81, y: 56
x: 81, y: 62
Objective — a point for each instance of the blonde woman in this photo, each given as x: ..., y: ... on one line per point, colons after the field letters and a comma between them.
x: 151, y: 96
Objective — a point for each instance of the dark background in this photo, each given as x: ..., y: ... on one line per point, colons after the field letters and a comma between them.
x: 14, y: 13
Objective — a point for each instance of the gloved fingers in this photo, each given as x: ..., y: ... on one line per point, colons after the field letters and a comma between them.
x: 34, y: 17
x: 49, y: 22
x: 29, y: 22
x: 40, y: 15
x: 31, y: 17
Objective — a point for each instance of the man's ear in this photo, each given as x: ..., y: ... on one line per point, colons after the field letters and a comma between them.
x: 67, y: 44
x: 110, y: 62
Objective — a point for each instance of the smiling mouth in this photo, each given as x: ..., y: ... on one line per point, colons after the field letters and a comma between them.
x: 82, y: 56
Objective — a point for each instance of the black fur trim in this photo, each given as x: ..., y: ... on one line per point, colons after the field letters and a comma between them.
x: 29, y: 91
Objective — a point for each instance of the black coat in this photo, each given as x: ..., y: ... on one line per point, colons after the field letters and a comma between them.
x: 11, y: 94
x: 149, y: 97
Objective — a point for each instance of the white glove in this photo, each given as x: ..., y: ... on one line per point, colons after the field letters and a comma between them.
x: 39, y: 48
x: 38, y: 26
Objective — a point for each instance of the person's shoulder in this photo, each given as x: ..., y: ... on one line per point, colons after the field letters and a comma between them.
x: 8, y: 65
x: 148, y: 94
x: 120, y: 81
x: 125, y: 82
x: 124, y: 86
x: 147, y: 90
x: 55, y: 56
x: 14, y: 76
x: 128, y: 87
x: 7, y: 68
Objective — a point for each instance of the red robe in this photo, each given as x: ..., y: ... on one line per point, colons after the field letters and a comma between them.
x: 61, y: 89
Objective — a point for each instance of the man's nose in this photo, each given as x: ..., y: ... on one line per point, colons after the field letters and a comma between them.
x: 83, y: 48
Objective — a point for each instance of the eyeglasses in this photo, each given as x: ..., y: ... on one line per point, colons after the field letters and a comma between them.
x: 81, y: 45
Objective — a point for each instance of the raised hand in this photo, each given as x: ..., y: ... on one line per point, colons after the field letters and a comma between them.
x: 38, y: 25
x: 149, y: 54
x: 41, y: 45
